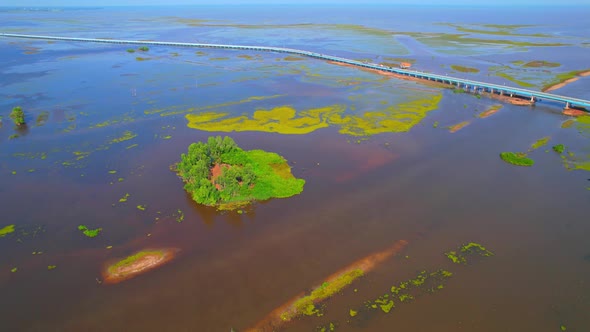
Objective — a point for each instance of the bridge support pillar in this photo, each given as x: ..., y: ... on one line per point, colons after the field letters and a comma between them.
x: 567, y: 104
x: 532, y: 99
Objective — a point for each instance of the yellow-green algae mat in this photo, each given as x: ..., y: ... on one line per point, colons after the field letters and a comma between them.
x: 287, y: 120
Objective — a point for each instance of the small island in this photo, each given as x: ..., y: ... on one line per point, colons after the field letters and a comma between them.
x: 220, y: 174
x: 517, y: 158
x: 136, y: 264
x: 18, y: 116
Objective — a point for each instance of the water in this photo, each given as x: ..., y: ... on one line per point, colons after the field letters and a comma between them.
x: 434, y: 189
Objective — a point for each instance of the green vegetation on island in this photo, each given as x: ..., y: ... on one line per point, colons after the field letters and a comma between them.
x: 219, y: 173
x: 144, y: 49
x: 559, y: 148
x: 517, y: 158
x: 18, y: 116
x: 89, y: 232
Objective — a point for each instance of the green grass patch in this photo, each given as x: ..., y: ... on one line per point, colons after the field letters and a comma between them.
x: 306, y: 305
x: 130, y: 50
x: 541, y: 63
x: 517, y: 158
x: 241, y: 176
x: 464, y: 69
x: 89, y: 232
x: 144, y: 49
x: 130, y: 260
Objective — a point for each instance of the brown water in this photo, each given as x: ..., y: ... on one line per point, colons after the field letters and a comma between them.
x: 434, y: 189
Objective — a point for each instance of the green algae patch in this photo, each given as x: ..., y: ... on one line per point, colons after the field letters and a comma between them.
x: 559, y: 148
x: 179, y: 215
x: 461, y: 255
x: 410, y: 289
x: 124, y: 198
x: 583, y: 166
x: 89, y: 232
x: 136, y: 264
x: 6, y: 230
x: 287, y: 120
x: 306, y: 304
x: 517, y: 158
x: 455, y: 257
x: 219, y: 173
x: 476, y: 248
x: 353, y: 313
x: 463, y: 69
x: 540, y: 142
x: 127, y: 135
x: 14, y: 269
x: 51, y: 267
x: 395, y: 118
x: 282, y: 119
x: 141, y: 207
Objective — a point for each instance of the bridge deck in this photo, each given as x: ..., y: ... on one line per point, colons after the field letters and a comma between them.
x: 494, y: 88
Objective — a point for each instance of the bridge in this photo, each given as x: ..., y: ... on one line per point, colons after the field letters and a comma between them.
x: 469, y: 85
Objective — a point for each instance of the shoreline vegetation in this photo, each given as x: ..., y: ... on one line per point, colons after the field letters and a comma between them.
x: 220, y: 174
x: 564, y: 79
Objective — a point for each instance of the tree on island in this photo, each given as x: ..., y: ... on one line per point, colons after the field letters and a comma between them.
x: 18, y: 116
x: 219, y: 173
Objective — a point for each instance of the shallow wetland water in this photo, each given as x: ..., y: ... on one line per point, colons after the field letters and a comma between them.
x: 379, y: 162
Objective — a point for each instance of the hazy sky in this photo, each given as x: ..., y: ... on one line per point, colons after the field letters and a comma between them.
x: 78, y: 3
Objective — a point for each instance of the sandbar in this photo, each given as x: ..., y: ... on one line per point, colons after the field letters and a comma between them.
x: 136, y: 264
x: 566, y: 82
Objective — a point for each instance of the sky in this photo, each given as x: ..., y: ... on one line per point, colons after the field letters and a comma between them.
x: 95, y: 3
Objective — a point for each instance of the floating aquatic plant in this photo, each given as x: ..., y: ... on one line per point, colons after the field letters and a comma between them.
x: 89, y: 232
x: 517, y: 158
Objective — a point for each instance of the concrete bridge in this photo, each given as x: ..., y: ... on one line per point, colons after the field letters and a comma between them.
x: 469, y: 85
